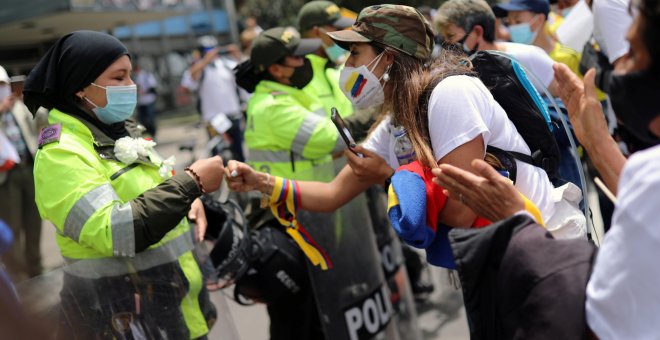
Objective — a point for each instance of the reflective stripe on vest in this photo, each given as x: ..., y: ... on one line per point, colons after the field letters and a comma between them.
x: 86, y: 206
x: 115, y: 266
x: 123, y: 231
x: 305, y: 131
x: 268, y: 156
x: 121, y: 220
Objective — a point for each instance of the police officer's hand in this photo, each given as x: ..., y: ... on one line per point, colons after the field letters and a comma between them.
x: 198, y: 215
x: 370, y: 168
x: 210, y: 171
x: 241, y: 177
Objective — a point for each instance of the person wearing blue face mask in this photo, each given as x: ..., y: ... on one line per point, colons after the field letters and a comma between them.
x: 471, y: 25
x: 122, y: 216
x: 527, y: 21
x: 316, y: 19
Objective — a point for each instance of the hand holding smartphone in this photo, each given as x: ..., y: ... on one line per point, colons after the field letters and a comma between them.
x: 343, y: 131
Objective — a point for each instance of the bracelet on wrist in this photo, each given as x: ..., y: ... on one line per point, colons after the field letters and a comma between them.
x: 196, y: 178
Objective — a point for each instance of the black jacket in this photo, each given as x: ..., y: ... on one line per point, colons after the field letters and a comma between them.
x: 520, y: 283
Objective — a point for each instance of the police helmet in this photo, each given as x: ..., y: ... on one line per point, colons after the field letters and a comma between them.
x: 228, y: 230
x: 266, y: 264
x: 278, y: 271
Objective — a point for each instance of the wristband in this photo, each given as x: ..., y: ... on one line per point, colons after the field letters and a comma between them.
x: 197, y: 179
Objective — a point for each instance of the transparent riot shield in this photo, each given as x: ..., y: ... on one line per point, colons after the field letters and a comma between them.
x: 93, y: 300
x: 353, y: 298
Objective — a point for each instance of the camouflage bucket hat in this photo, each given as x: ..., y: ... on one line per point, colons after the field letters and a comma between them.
x: 400, y: 27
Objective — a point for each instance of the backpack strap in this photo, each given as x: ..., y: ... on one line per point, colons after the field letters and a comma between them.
x: 536, y: 159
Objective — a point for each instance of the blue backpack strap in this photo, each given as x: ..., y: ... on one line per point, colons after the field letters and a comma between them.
x: 540, y: 104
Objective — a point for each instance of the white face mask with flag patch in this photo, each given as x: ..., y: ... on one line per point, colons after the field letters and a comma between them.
x: 361, y: 86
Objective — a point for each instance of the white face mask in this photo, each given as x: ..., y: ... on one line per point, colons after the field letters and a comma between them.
x: 361, y: 86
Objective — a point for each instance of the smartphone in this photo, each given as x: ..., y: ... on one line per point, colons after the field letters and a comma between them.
x: 16, y: 83
x: 343, y: 131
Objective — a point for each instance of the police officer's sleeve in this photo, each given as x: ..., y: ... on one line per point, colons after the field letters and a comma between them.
x: 159, y: 210
x: 81, y: 202
x: 311, y: 134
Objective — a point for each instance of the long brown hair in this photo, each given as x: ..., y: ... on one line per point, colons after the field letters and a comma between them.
x: 411, y: 82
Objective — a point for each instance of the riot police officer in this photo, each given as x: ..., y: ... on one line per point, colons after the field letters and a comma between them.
x: 119, y: 211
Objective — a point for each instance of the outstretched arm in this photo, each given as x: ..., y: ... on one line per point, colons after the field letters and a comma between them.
x: 314, y: 196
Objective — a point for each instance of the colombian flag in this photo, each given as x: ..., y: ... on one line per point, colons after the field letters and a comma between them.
x: 284, y: 203
x: 414, y: 203
x: 355, y: 84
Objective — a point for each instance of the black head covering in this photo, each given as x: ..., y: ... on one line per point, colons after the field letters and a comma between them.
x: 71, y: 64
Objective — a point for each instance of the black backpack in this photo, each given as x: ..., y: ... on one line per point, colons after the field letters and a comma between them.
x: 511, y: 88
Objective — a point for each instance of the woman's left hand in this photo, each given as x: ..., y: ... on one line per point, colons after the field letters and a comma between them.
x: 198, y: 215
x: 370, y: 168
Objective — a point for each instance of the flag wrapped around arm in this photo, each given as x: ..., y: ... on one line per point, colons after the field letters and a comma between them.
x: 284, y: 203
x: 414, y: 203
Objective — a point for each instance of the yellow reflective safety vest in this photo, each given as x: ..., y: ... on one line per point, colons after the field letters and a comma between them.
x: 85, y: 195
x: 289, y: 134
x: 325, y: 86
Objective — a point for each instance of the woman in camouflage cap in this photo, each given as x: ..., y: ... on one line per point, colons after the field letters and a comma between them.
x: 447, y: 112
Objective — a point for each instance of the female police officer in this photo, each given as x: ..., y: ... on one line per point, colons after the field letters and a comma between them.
x: 119, y: 214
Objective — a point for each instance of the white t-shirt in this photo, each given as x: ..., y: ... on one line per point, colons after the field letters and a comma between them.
x: 535, y: 60
x: 381, y: 141
x: 218, y: 90
x: 611, y: 23
x: 460, y: 109
x: 623, y: 294
x: 145, y: 80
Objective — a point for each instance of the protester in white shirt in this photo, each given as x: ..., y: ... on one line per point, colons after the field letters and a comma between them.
x: 474, y: 112
x: 471, y: 25
x: 213, y: 79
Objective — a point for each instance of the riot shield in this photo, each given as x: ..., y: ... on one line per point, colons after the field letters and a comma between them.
x: 139, y: 304
x: 392, y: 260
x: 353, y: 297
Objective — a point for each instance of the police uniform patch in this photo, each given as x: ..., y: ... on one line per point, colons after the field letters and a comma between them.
x: 50, y: 134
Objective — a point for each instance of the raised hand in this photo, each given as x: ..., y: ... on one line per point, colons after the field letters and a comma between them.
x: 584, y: 110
